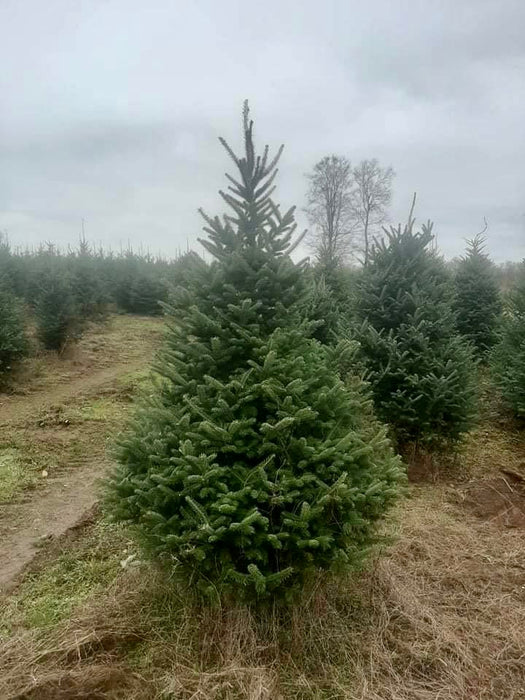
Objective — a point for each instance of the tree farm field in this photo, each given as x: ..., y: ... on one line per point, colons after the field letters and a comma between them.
x: 439, y: 612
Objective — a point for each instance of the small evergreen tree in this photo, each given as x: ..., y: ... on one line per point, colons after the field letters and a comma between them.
x: 508, y: 357
x: 421, y: 372
x: 57, y: 316
x: 13, y: 341
x: 477, y: 303
x: 322, y: 311
x: 5, y: 261
x: 88, y: 285
x: 137, y: 283
x: 252, y: 465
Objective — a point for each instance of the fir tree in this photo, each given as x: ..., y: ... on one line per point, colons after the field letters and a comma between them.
x: 88, y: 285
x: 421, y: 372
x: 508, y: 357
x: 322, y: 311
x: 57, y: 315
x: 477, y: 303
x: 252, y: 464
x: 13, y: 341
x: 137, y: 284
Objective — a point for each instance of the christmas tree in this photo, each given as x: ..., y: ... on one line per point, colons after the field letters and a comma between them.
x: 508, y: 357
x: 13, y: 341
x: 477, y: 303
x: 321, y: 310
x: 58, y: 318
x: 252, y: 465
x: 88, y: 286
x: 421, y: 372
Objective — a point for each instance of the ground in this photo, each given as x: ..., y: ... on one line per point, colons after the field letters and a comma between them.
x: 438, y: 613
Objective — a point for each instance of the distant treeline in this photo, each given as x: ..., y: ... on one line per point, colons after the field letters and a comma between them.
x: 96, y: 279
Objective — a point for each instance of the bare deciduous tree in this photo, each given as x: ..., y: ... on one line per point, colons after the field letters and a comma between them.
x: 371, y: 197
x: 329, y: 204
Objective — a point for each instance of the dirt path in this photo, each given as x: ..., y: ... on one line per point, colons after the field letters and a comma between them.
x: 64, y: 497
x: 14, y: 409
x: 48, y: 514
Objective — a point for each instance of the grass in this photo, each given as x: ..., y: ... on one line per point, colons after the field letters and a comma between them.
x: 13, y: 476
x: 438, y: 615
x: 63, y: 435
x: 78, y: 570
x: 441, y: 614
x: 120, y: 339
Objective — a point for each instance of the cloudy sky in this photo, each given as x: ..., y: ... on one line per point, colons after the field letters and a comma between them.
x: 110, y: 110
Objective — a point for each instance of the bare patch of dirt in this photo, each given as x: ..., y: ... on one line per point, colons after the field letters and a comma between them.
x: 47, y: 515
x: 499, y: 500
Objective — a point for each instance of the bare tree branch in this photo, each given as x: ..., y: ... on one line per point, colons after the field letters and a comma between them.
x: 329, y: 210
x: 371, y: 199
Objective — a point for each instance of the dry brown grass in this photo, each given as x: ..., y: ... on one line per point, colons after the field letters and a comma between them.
x: 438, y: 616
x: 442, y: 615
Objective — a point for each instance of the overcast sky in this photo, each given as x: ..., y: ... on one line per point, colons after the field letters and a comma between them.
x: 111, y: 109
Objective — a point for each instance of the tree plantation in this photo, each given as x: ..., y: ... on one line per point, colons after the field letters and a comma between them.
x: 218, y: 450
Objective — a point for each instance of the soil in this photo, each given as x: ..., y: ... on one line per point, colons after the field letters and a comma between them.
x: 46, y: 515
x: 67, y: 493
x: 500, y: 500
x: 17, y: 409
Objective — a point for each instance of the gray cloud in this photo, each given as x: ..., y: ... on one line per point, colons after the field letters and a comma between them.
x: 111, y: 110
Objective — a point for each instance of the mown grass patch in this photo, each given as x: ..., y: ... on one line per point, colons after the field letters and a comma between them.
x: 79, y: 570
x: 105, y: 409
x: 14, y: 475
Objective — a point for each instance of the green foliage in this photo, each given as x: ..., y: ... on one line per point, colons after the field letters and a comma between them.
x: 508, y: 357
x: 251, y: 464
x: 322, y: 311
x: 88, y: 286
x: 58, y: 317
x: 135, y: 283
x: 255, y: 482
x: 13, y: 341
x: 422, y: 374
x: 329, y: 301
x: 5, y: 261
x: 477, y: 303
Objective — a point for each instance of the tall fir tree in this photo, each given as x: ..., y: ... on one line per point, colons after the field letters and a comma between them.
x: 251, y: 465
x: 508, y: 356
x: 477, y: 301
x: 421, y: 372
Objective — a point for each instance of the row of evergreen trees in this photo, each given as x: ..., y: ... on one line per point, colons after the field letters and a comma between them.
x: 134, y: 282
x: 258, y: 460
x: 62, y: 292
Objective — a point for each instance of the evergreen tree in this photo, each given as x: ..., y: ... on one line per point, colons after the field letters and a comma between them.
x: 13, y: 341
x: 252, y: 464
x: 57, y: 316
x: 477, y: 303
x: 88, y: 285
x: 508, y: 357
x: 421, y: 371
x: 5, y: 261
x: 137, y: 284
x: 322, y: 311
x: 329, y: 302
